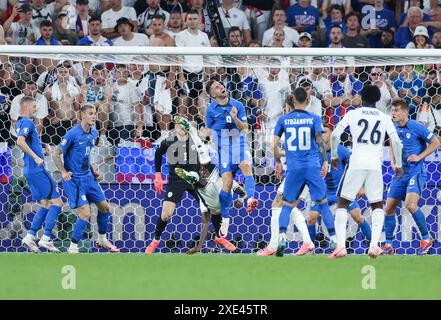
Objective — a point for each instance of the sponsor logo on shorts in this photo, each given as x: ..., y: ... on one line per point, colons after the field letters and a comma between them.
x: 170, y: 194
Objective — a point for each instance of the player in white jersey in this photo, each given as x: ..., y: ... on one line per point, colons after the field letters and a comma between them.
x: 367, y: 126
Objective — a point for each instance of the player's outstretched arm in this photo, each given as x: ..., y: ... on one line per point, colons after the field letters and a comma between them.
x: 21, y: 143
x: 60, y: 166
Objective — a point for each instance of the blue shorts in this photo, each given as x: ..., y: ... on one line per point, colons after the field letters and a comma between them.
x: 410, y: 182
x: 295, y: 180
x: 333, y: 199
x: 230, y: 157
x: 83, y: 190
x: 42, y: 185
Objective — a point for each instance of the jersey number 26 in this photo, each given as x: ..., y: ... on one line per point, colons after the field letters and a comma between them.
x: 375, y: 134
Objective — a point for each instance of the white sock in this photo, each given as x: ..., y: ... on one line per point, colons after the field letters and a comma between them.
x: 30, y: 236
x: 226, y: 220
x: 341, y: 219
x: 74, y: 245
x: 45, y: 238
x: 300, y: 222
x: 275, y: 214
x: 333, y: 238
x: 102, y: 237
x: 377, y: 226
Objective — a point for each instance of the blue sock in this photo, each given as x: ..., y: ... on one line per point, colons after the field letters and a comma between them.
x: 250, y: 186
x: 37, y: 222
x: 51, y: 220
x: 366, y: 230
x: 389, y: 228
x: 328, y: 219
x: 312, y: 231
x: 226, y: 200
x: 284, y: 217
x: 420, y: 220
x: 78, y: 230
x: 102, y: 220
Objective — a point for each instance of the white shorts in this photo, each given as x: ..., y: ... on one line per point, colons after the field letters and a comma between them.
x: 303, y: 195
x: 210, y: 194
x: 370, y: 180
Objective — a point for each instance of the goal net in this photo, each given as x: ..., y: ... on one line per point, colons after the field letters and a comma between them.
x: 137, y: 91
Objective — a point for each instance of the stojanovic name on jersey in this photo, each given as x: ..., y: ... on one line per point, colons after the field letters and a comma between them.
x: 299, y: 121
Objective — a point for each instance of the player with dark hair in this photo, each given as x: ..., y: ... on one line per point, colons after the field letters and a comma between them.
x: 43, y: 186
x: 80, y: 179
x: 418, y: 142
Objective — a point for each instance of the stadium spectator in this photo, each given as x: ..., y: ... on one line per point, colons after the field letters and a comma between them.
x: 404, y: 34
x: 410, y: 88
x: 193, y: 67
x: 335, y: 18
x: 24, y: 31
x: 303, y: 17
x: 94, y: 38
x: 145, y: 18
x: 177, y: 6
x: 235, y: 37
x: 111, y: 16
x: 233, y: 17
x: 204, y: 19
x: 63, y: 31
x: 353, y: 37
x: 327, y: 4
x: 42, y: 11
x: 127, y: 115
x: 346, y: 90
x: 98, y: 92
x: 63, y: 97
x: 80, y: 23
x: 258, y: 13
x: 278, y: 38
x: 129, y: 38
x: 436, y: 40
x: 159, y: 33
x: 8, y: 91
x: 30, y: 90
x: 279, y: 21
x: 315, y: 105
x: 429, y: 113
x: 321, y: 85
x: 175, y: 24
x: 412, y: 3
x: 378, y: 78
x: 435, y: 19
x: 47, y: 32
x: 375, y: 20
x: 420, y: 39
x: 305, y: 40
x: 336, y: 37
x: 387, y: 39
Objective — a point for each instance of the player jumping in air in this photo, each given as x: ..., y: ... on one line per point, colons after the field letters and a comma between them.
x: 304, y: 148
x: 333, y: 178
x: 184, y: 154
x: 418, y: 143
x: 209, y: 185
x: 367, y: 126
x: 80, y: 179
x: 43, y: 186
x: 227, y: 119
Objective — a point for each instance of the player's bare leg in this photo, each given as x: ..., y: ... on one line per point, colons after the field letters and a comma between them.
x: 390, y: 224
x: 168, y: 208
x: 341, y: 219
x: 411, y: 203
x: 103, y: 221
x: 247, y: 170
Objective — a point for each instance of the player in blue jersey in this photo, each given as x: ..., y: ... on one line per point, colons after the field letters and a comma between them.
x: 418, y: 143
x: 43, y: 186
x: 227, y: 119
x: 304, y: 149
x: 80, y: 178
x: 333, y: 178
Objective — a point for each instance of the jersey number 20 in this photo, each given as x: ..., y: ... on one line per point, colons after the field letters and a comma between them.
x: 375, y: 135
x: 303, y: 136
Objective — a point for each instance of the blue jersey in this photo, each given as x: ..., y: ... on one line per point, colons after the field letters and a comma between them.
x: 414, y: 137
x: 333, y: 176
x: 26, y: 128
x: 77, y: 146
x: 301, y: 149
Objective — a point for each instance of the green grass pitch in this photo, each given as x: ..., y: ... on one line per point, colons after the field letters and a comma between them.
x: 217, y: 276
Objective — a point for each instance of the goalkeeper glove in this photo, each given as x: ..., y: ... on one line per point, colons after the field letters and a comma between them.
x: 159, y: 184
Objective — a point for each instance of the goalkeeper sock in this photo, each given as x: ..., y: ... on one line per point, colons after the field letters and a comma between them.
x: 377, y: 226
x: 341, y: 219
x: 366, y: 230
x: 37, y: 222
x: 275, y: 214
x: 250, y: 186
x: 225, y: 201
x: 389, y: 227
x: 328, y: 219
x: 102, y: 220
x: 300, y: 223
x: 78, y: 230
x: 312, y: 232
x: 160, y: 227
x: 285, y: 215
x: 420, y: 221
x: 216, y: 220
x: 51, y: 220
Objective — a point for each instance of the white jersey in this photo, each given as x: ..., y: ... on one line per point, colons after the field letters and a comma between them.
x: 367, y: 127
